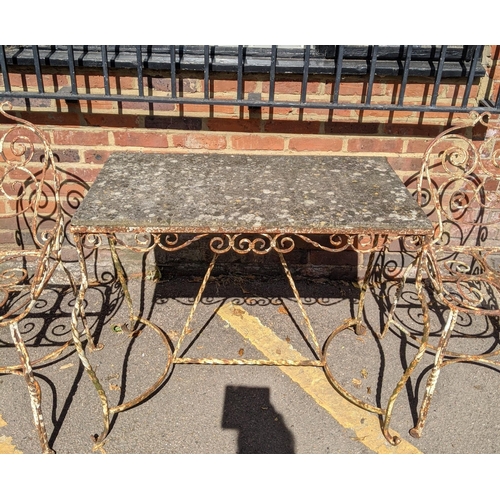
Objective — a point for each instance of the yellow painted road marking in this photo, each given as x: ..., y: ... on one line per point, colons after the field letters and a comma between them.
x: 6, y: 445
x: 365, y: 425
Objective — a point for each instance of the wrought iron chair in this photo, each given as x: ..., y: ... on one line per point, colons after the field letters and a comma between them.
x: 459, y: 188
x: 29, y: 197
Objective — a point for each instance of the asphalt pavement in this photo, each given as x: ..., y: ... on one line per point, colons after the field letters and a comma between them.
x: 243, y: 409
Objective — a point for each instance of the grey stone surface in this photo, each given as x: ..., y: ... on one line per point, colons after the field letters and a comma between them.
x: 249, y: 193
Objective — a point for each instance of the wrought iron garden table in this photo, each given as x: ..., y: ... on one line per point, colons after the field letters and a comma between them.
x: 243, y: 204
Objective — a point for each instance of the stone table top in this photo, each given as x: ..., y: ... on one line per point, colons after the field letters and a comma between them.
x: 221, y: 193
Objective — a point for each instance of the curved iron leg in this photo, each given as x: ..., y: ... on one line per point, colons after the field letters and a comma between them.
x: 418, y: 356
x: 360, y: 328
x: 78, y: 312
x: 351, y: 323
x: 416, y: 431
x: 122, y: 278
x: 33, y: 388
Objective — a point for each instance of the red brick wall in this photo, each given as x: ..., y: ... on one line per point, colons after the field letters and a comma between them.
x: 83, y: 133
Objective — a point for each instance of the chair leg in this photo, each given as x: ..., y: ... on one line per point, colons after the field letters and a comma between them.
x: 416, y: 432
x: 33, y: 388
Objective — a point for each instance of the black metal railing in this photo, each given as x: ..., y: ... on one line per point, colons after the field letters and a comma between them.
x: 404, y: 64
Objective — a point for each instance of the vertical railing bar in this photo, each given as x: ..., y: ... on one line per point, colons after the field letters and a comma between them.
x: 472, y: 74
x: 105, y: 68
x: 437, y: 80
x: 239, y: 95
x: 38, y: 69
x: 206, y: 70
x: 406, y: 71
x: 497, y: 103
x: 338, y: 73
x: 72, y: 73
x: 272, y: 72
x: 305, y: 74
x: 172, y: 72
x: 140, y: 82
x: 5, y: 72
x: 373, y: 63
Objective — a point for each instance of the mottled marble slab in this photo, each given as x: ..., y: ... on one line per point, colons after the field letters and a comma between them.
x: 222, y: 193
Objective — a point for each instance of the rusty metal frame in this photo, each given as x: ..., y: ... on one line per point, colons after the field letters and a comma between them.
x: 24, y: 182
x: 220, y: 244
x: 459, y: 188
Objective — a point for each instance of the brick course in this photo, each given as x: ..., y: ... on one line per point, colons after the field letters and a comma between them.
x: 84, y: 134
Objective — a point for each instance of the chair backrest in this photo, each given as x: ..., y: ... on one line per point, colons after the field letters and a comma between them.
x: 458, y: 186
x: 30, y: 209
x: 31, y: 222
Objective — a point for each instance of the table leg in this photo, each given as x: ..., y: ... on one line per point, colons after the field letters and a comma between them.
x: 350, y: 323
x: 79, y: 313
x: 185, y: 330
x: 355, y: 323
x: 122, y: 278
x: 312, y: 335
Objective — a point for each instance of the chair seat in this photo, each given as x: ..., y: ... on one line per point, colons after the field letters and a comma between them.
x: 468, y: 280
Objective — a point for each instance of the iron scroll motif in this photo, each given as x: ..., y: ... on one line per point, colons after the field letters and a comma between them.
x: 261, y: 244
x: 459, y: 189
x: 219, y: 244
x: 30, y: 189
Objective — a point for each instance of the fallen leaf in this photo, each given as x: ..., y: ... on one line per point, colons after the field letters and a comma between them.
x: 265, y: 407
x: 238, y: 312
x: 63, y: 367
x: 364, y: 373
x: 356, y: 382
x: 282, y: 310
x: 114, y: 387
x: 368, y: 390
x: 173, y: 334
x: 288, y: 339
x: 240, y: 352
